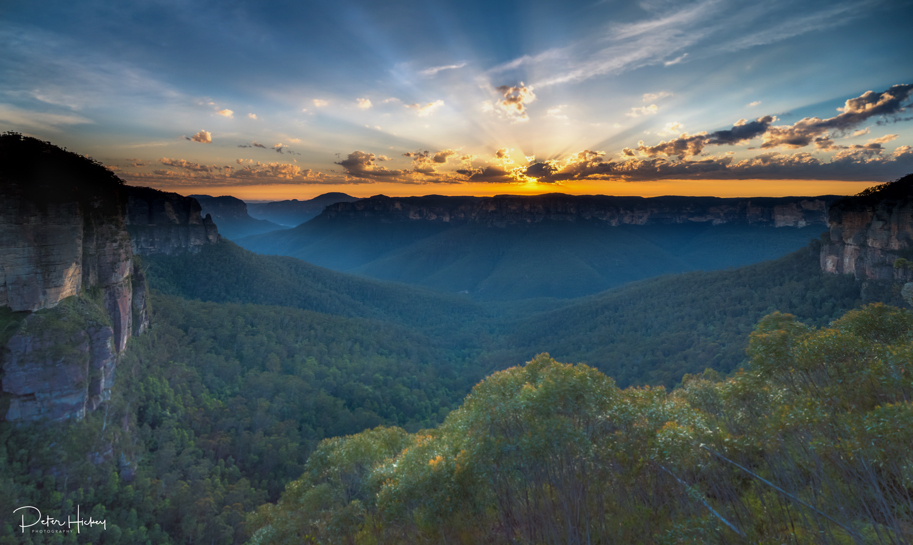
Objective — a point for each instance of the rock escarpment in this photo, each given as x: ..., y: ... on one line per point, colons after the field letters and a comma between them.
x: 59, y: 364
x: 166, y: 223
x: 511, y: 209
x: 870, y: 231
x: 67, y: 259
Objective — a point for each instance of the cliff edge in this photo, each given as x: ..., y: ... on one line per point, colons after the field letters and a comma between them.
x: 71, y: 291
x: 505, y: 210
x: 870, y: 231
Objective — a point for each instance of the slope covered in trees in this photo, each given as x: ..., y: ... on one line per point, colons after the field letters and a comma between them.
x: 810, y: 446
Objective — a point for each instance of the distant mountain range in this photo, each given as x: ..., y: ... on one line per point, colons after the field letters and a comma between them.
x: 237, y: 219
x: 513, y: 247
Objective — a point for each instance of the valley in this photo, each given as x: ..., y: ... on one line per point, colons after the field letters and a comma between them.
x: 218, y: 390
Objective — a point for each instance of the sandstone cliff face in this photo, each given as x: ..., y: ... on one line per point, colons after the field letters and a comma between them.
x: 505, y: 210
x: 59, y: 370
x: 868, y: 233
x: 167, y: 223
x: 65, y: 231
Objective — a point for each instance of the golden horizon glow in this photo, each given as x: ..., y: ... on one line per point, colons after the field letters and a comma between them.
x: 691, y: 188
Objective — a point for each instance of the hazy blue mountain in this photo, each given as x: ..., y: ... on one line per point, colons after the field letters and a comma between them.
x: 554, y: 246
x: 231, y: 216
x: 293, y: 212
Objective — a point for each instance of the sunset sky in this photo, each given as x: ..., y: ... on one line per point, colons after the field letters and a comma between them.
x: 293, y: 99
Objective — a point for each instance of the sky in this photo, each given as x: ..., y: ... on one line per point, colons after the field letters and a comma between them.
x: 280, y: 100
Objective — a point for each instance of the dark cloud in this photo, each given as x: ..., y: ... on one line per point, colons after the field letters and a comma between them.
x: 741, y: 131
x: 811, y: 130
x: 425, y: 162
x: 441, y: 156
x: 541, y: 170
x: 683, y: 146
x: 888, y: 104
x: 363, y: 165
x: 489, y: 174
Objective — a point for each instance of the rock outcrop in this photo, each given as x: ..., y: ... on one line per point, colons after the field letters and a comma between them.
x: 870, y: 231
x: 65, y: 235
x: 60, y: 364
x: 510, y: 209
x: 167, y: 223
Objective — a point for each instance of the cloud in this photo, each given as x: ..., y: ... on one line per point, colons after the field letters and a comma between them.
x: 363, y: 103
x: 676, y: 60
x: 226, y: 113
x: 810, y: 130
x: 427, y: 109
x: 887, y: 104
x: 884, y: 139
x: 644, y: 110
x: 318, y: 103
x: 294, y: 140
x: 753, y: 104
x: 489, y: 174
x: 441, y: 156
x: 742, y: 131
x: 860, y: 132
x: 513, y: 102
x: 252, y: 116
x: 433, y: 71
x: 425, y: 162
x: 186, y: 165
x: 662, y: 37
x: 671, y: 128
x: 686, y: 146
x: 190, y: 174
x: 503, y: 155
x: 257, y: 145
x: 858, y: 163
x: 556, y: 112
x: 204, y: 137
x: 363, y: 165
x: 37, y: 120
x: 652, y: 97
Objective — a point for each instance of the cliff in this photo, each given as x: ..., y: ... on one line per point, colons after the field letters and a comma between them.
x: 161, y: 223
x: 505, y: 210
x: 65, y: 239
x: 870, y: 231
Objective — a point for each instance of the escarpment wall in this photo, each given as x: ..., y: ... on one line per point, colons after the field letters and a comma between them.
x: 509, y: 209
x: 868, y: 233
x: 69, y: 227
x: 167, y: 223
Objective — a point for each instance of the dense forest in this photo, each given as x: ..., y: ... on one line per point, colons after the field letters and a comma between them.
x: 809, y: 446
